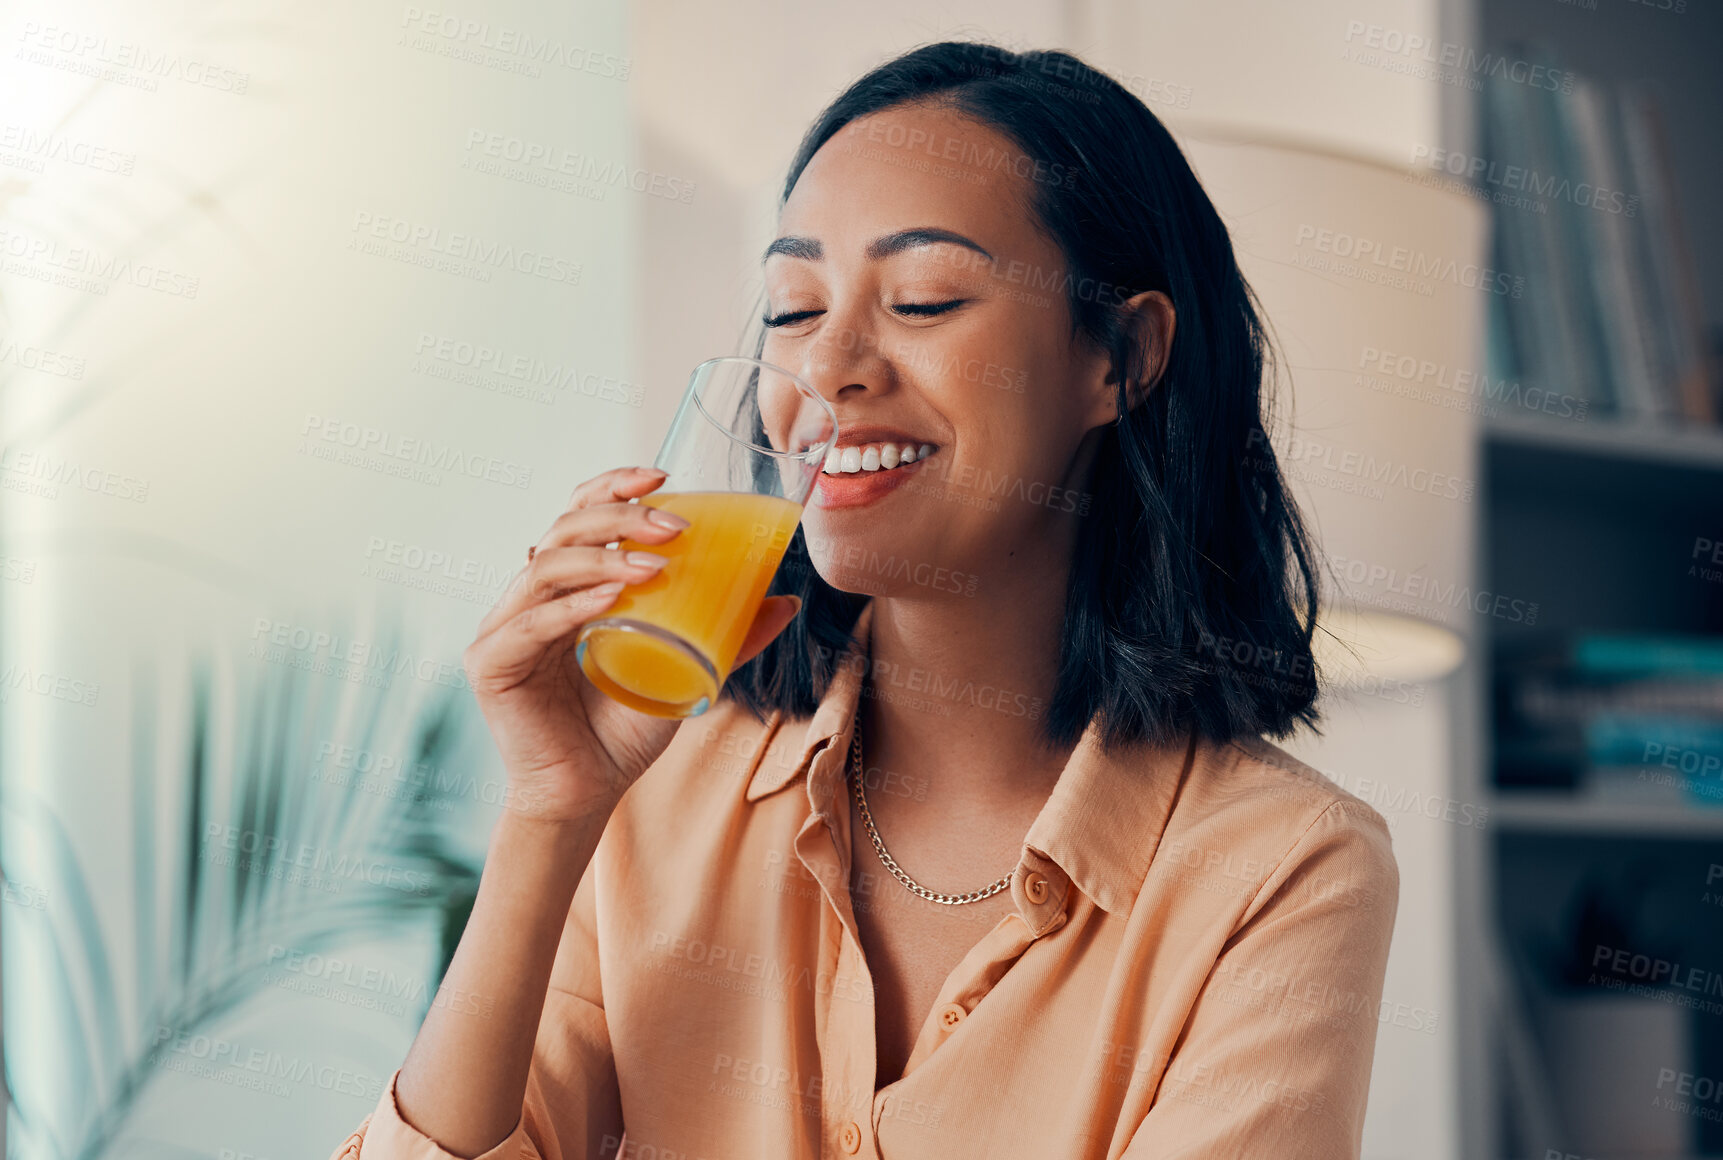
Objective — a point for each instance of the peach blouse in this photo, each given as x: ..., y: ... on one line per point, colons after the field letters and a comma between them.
x: 1193, y: 967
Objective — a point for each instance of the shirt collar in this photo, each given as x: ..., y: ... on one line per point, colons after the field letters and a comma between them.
x: 1100, y: 825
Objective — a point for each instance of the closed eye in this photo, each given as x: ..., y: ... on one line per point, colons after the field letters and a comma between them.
x: 912, y: 309
x: 928, y: 309
x: 788, y: 319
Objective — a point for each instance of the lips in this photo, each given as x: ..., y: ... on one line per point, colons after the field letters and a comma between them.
x: 859, y: 488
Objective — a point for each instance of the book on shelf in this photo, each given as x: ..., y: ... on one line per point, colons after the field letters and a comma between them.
x: 1684, y: 350
x: 1547, y: 340
x: 1617, y: 654
x: 1655, y: 759
x: 1585, y: 210
x: 1622, y: 717
x: 1602, y: 231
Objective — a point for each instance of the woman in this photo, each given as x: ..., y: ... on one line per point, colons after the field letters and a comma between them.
x: 983, y: 852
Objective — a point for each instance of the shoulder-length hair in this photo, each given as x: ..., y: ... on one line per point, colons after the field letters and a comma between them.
x: 1192, y: 597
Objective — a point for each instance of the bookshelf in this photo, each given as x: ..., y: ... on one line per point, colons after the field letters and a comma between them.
x: 1597, y: 520
x: 1597, y: 523
x: 1548, y: 813
x: 1656, y: 445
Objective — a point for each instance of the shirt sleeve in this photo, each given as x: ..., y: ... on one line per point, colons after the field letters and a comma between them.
x: 573, y: 1106
x: 1274, y: 1059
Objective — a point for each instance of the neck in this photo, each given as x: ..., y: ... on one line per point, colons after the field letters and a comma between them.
x: 958, y: 691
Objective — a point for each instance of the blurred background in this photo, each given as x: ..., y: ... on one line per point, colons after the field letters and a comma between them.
x: 312, y: 315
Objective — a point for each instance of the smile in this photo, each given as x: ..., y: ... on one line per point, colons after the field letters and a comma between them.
x: 874, y: 457
x: 859, y: 475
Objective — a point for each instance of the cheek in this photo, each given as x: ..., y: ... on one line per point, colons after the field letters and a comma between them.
x: 1014, y: 360
x: 1012, y: 454
x: 781, y: 406
x: 788, y: 418
x: 787, y: 351
x: 1001, y: 409
x: 973, y: 373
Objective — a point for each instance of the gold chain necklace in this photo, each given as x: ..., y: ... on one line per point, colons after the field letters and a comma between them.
x: 885, y: 858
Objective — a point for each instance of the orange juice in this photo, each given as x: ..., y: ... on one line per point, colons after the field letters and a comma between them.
x: 665, y: 646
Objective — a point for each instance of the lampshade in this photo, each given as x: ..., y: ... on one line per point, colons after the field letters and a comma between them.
x: 1375, y: 287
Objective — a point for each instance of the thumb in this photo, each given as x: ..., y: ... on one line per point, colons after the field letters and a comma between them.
x: 774, y: 616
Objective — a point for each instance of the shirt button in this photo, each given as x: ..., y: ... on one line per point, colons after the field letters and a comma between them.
x: 1035, y: 887
x: 851, y: 1138
x: 952, y: 1014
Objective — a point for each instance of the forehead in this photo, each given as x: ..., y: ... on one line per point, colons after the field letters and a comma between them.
x: 910, y: 166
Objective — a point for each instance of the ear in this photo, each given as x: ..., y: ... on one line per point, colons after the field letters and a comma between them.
x: 1150, y: 319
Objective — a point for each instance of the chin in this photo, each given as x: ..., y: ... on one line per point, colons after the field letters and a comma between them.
x: 887, y: 565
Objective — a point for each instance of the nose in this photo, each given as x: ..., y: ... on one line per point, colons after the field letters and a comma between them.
x: 845, y: 359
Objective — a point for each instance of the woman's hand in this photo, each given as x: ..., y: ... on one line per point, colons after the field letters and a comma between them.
x: 569, y: 749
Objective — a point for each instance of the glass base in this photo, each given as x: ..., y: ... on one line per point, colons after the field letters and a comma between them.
x: 646, y: 667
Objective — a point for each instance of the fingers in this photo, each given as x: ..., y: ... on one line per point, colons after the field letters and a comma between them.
x: 619, y: 483
x: 598, y: 514
x: 503, y: 658
x: 603, y: 523
x: 774, y: 616
x: 553, y: 571
x: 557, y: 570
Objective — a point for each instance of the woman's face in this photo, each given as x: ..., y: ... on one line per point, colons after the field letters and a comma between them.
x: 914, y: 290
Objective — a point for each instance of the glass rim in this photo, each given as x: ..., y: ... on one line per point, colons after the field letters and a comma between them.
x: 801, y: 384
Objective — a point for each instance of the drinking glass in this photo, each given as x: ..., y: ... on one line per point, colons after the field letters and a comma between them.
x: 742, y: 454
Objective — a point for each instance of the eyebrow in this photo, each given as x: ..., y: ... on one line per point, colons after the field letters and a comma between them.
x: 880, y: 247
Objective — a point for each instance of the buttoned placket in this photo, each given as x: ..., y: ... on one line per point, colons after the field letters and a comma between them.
x: 822, y: 844
x: 1039, y: 888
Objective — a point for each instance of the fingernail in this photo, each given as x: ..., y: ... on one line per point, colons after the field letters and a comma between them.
x: 659, y: 471
x: 798, y: 607
x: 666, y: 519
x: 606, y: 590
x: 646, y: 559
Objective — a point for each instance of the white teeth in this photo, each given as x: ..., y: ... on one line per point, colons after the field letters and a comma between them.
x: 874, y: 457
